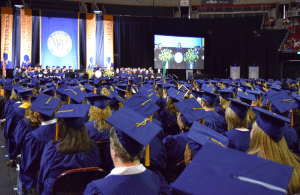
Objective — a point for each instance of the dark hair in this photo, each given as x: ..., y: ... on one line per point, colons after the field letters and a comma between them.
x: 207, y: 104
x: 199, y: 71
x: 73, y: 140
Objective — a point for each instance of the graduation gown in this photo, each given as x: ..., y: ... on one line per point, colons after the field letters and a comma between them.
x: 175, y: 147
x: 291, y: 138
x: 146, y: 183
x: 238, y: 140
x: 97, y: 136
x: 222, y: 112
x: 215, y: 121
x: 167, y: 119
x: 22, y: 129
x: 31, y: 153
x: 12, y: 120
x: 54, y: 163
x: 8, y: 106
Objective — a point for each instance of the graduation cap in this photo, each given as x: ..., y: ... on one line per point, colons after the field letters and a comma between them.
x: 106, y: 85
x: 89, y: 88
x: 75, y: 115
x: 115, y: 98
x: 32, y: 84
x: 133, y: 130
x: 240, y: 108
x: 200, y: 134
x: 83, y: 81
x: 99, y: 101
x: 176, y: 95
x: 33, y: 97
x: 190, y: 111
x: 141, y: 104
x: 246, y: 97
x: 216, y: 170
x: 61, y: 93
x: 49, y: 84
x: 207, y: 88
x: 282, y: 102
x: 270, y: 123
x: 197, y: 94
x: 45, y: 105
x: 8, y: 87
x: 211, y: 98
x: 288, y: 90
x: 49, y: 91
x: 226, y: 94
x: 24, y: 92
x: 121, y: 92
x: 76, y: 95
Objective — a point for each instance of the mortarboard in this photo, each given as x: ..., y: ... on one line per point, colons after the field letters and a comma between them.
x: 61, y: 93
x: 199, y: 134
x: 240, y: 108
x: 270, y: 123
x: 133, y: 130
x: 76, y: 95
x: 24, y: 92
x: 141, y: 104
x: 216, y: 170
x: 89, y: 88
x: 246, y: 97
x: 226, y: 94
x: 45, y: 105
x: 99, y: 101
x: 211, y: 98
x: 190, y: 110
x: 197, y: 94
x: 282, y: 102
x: 75, y: 115
x: 49, y: 91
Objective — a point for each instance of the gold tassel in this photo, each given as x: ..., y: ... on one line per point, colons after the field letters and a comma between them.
x: 292, y: 118
x: 203, y: 121
x: 95, y: 91
x: 147, y: 156
x: 56, y: 132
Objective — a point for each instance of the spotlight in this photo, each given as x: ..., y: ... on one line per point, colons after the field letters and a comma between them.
x: 19, y: 6
x: 98, y: 12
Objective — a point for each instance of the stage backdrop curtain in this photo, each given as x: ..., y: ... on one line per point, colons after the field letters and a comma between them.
x: 133, y: 38
x: 35, y: 57
x: 16, y: 38
x: 82, y: 38
x: 99, y: 41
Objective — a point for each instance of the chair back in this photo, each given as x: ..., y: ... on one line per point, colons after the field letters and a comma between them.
x: 75, y: 181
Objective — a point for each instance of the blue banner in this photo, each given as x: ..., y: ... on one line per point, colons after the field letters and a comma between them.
x: 59, y: 39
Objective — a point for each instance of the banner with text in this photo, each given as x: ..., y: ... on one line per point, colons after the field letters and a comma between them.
x: 6, y: 39
x: 253, y: 72
x: 59, y: 39
x: 235, y: 72
x: 90, y: 40
x: 108, y: 40
x: 26, y: 37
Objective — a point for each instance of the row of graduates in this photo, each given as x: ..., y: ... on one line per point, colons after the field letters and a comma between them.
x: 194, y: 122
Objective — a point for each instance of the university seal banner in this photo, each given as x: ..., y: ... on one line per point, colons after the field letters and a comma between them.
x: 235, y: 72
x: 253, y: 72
x: 6, y: 38
x: 26, y: 37
x: 108, y: 40
x: 59, y: 39
x: 90, y: 40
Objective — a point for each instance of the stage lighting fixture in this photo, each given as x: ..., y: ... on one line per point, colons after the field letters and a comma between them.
x: 19, y: 6
x: 97, y: 12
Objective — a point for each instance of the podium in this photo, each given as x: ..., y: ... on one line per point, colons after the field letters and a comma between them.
x: 235, y: 72
x: 253, y: 72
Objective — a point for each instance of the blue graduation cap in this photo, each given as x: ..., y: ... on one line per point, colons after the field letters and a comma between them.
x: 200, y: 134
x: 197, y: 94
x: 240, y: 108
x: 282, y: 102
x: 76, y: 95
x: 24, y: 92
x: 207, y: 88
x: 141, y: 104
x: 190, y: 110
x: 49, y: 91
x: 288, y: 90
x: 211, y: 98
x: 133, y: 130
x: 61, y: 93
x: 216, y: 170
x: 89, y: 88
x: 33, y: 97
x: 246, y: 97
x: 121, y: 92
x: 45, y: 105
x: 99, y: 101
x: 270, y: 123
x: 226, y: 94
x: 176, y: 95
x: 75, y: 115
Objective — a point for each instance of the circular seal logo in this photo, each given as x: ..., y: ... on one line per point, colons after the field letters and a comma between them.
x: 59, y: 43
x: 235, y: 69
x: 253, y: 69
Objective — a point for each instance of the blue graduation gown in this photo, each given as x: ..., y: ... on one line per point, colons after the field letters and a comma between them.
x: 13, y: 119
x: 20, y: 133
x: 54, y: 163
x: 7, y: 106
x: 238, y: 140
x: 162, y: 103
x: 123, y: 74
x: 167, y: 118
x: 215, y: 121
x: 97, y: 136
x: 291, y: 138
x: 146, y: 183
x: 175, y: 147
x: 31, y: 153
x: 222, y: 112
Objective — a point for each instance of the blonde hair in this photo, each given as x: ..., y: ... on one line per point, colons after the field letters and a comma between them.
x: 170, y: 106
x: 105, y: 92
x: 180, y: 123
x: 265, y: 147
x: 224, y: 103
x: 234, y: 121
x: 13, y: 95
x: 251, y: 116
x: 100, y: 116
x: 120, y: 150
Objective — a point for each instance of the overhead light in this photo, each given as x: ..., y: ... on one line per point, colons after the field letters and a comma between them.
x: 97, y: 12
x: 19, y: 6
